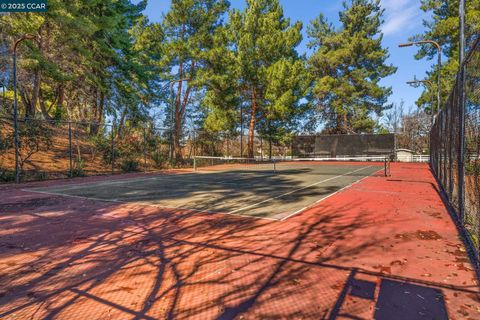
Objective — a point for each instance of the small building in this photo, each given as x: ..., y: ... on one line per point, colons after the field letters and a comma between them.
x: 407, y: 155
x: 404, y: 155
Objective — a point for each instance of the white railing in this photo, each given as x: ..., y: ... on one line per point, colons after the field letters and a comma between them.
x: 413, y: 158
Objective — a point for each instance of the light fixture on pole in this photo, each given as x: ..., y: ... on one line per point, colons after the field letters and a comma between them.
x: 429, y: 84
x: 439, y: 63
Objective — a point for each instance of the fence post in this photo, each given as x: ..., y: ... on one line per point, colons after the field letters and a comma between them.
x: 461, y: 137
x: 172, y: 144
x: 241, y: 130
x: 261, y: 147
x: 449, y: 155
x: 385, y: 167
x: 461, y: 147
x: 194, y: 143
x: 395, y: 146
x: 15, y: 119
x: 226, y: 137
x: 70, y: 151
x: 270, y: 147
x: 144, y: 149
x: 291, y: 148
x: 113, y: 148
x: 442, y: 147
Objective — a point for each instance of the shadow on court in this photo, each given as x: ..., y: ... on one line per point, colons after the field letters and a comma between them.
x: 72, y: 258
x: 395, y: 300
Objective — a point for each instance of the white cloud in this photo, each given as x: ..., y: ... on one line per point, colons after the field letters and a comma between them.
x: 394, y: 4
x: 401, y: 16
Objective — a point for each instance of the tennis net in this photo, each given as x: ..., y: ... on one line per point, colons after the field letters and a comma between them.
x: 279, y: 165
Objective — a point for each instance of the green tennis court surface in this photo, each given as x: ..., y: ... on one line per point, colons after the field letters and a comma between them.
x: 252, y: 190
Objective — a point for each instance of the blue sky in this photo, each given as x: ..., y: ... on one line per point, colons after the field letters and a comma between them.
x: 403, y: 18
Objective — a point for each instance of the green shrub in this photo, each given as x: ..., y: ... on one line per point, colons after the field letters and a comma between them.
x: 160, y: 158
x: 33, y: 136
x: 6, y: 175
x: 41, y: 175
x: 77, y: 170
x: 59, y: 114
x: 472, y: 168
x: 129, y: 145
x: 129, y: 165
x: 5, y: 142
x: 103, y: 144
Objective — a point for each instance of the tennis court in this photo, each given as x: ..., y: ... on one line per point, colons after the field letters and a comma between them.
x: 264, y: 189
x: 382, y: 247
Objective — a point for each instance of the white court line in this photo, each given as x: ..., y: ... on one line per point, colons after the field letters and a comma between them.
x: 89, y: 184
x: 159, y: 176
x: 234, y: 213
x: 126, y: 182
x: 296, y: 190
x: 138, y: 203
x: 328, y: 196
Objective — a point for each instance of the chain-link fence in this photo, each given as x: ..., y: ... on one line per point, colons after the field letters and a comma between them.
x: 58, y: 149
x: 455, y: 149
x: 236, y: 145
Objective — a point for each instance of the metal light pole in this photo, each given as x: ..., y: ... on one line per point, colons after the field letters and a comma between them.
x: 461, y: 138
x: 15, y: 102
x: 429, y: 84
x: 439, y: 64
x: 462, y: 30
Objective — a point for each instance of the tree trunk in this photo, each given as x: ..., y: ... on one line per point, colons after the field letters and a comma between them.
x: 342, y: 124
x: 270, y: 150
x: 180, y: 110
x: 101, y: 108
x: 121, y: 123
x: 177, y: 146
x: 61, y: 96
x: 179, y: 129
x: 31, y: 107
x: 37, y: 82
x: 251, y: 128
x: 24, y: 98
x: 43, y: 108
x: 177, y: 117
x: 44, y: 45
x: 95, y: 103
x: 98, y: 112
x: 5, y: 105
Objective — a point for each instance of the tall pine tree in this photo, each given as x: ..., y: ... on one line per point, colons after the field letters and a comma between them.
x: 264, y: 68
x: 84, y: 58
x: 347, y: 65
x: 189, y: 29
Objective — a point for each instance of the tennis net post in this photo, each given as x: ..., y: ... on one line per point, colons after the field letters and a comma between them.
x: 387, y: 167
